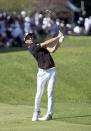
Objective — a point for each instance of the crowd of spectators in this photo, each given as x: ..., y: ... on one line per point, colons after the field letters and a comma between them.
x: 13, y: 27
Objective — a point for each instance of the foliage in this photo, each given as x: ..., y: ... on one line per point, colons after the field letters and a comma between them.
x: 15, y: 5
x: 30, y: 4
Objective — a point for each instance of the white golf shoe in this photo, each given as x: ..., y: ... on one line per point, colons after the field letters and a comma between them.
x: 46, y: 117
x: 35, y: 116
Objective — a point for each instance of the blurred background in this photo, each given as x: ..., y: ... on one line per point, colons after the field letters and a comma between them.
x: 18, y: 17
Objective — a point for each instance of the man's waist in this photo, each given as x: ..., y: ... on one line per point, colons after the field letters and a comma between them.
x: 46, y: 65
x: 52, y: 68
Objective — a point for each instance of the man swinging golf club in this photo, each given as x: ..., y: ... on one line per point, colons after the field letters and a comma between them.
x: 46, y: 72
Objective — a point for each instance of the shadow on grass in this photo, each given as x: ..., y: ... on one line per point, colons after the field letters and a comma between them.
x: 76, y: 121
x: 68, y: 118
x: 72, y: 117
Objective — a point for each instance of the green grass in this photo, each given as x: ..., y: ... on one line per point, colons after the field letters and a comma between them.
x: 70, y: 116
x: 18, y: 71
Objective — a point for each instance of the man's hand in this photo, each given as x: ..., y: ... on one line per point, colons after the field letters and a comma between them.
x: 56, y: 44
x: 60, y: 34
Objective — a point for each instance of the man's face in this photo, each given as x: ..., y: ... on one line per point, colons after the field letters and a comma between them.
x: 29, y: 41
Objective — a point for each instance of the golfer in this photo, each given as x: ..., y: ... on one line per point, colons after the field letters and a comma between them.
x: 46, y: 72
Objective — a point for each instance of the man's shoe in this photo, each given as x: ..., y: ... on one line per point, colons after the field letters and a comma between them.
x: 46, y: 117
x: 35, y: 116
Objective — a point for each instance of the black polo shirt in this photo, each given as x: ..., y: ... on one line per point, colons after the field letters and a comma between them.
x: 43, y: 57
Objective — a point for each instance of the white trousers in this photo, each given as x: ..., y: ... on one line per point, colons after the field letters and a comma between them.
x: 43, y: 77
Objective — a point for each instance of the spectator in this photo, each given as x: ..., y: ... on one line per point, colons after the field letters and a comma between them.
x: 13, y: 26
x: 87, y: 25
x: 2, y: 29
x: 17, y: 34
x: 27, y: 25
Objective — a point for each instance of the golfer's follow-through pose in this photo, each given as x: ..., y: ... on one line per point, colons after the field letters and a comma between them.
x: 46, y: 72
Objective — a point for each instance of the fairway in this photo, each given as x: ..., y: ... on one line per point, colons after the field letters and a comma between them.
x: 71, y: 116
x: 72, y: 89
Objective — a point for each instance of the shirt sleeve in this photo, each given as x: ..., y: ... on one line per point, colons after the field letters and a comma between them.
x: 34, y: 47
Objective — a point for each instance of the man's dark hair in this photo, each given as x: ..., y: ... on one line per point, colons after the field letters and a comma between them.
x: 30, y: 35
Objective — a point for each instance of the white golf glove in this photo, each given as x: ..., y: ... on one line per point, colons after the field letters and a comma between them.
x: 61, y: 37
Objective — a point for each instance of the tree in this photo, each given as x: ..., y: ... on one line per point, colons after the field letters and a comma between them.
x: 49, y: 4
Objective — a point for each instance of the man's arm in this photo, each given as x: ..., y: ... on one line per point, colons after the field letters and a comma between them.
x: 50, y: 41
x: 47, y: 42
x: 54, y: 48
